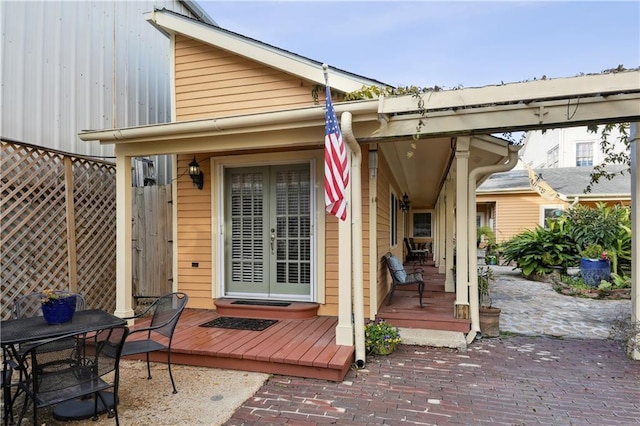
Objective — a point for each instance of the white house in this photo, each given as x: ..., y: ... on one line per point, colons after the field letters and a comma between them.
x: 566, y: 147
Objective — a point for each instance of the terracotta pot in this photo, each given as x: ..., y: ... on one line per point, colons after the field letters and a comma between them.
x: 490, y: 322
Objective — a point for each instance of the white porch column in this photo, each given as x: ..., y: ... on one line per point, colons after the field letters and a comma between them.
x: 344, y: 329
x: 634, y: 138
x: 449, y: 283
x: 124, y: 279
x: 439, y: 241
x: 462, y: 226
x: 374, y: 260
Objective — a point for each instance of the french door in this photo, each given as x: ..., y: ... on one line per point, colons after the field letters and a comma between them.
x: 268, y: 235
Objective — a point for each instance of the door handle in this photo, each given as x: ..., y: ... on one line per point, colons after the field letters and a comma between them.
x: 273, y: 238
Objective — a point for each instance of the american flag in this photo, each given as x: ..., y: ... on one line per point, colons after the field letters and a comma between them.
x: 336, y: 164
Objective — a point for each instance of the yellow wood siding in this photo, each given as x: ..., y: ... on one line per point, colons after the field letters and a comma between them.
x: 385, y: 182
x: 516, y: 213
x: 210, y: 82
x: 194, y: 235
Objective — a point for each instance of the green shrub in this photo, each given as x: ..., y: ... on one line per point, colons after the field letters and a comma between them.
x: 592, y: 251
x: 536, y: 251
x: 600, y: 225
x: 608, y: 226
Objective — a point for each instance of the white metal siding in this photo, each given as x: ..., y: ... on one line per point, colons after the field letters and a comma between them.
x: 72, y: 66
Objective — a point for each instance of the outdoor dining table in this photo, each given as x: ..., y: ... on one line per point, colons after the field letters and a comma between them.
x: 16, y: 332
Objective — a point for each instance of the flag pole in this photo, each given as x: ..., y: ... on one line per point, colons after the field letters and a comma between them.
x: 325, y: 71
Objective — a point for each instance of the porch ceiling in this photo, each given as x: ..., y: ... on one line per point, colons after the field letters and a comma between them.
x: 420, y: 166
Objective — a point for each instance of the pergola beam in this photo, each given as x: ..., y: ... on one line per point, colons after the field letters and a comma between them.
x: 570, y: 112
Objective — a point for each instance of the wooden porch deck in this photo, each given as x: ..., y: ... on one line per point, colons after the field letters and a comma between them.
x: 300, y: 344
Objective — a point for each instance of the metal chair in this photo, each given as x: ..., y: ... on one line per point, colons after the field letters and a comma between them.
x: 5, y: 383
x: 400, y: 276
x: 414, y: 254
x: 53, y: 377
x: 166, y: 311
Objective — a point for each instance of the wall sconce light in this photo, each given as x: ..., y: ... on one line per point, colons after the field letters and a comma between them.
x: 405, y: 203
x: 197, y: 177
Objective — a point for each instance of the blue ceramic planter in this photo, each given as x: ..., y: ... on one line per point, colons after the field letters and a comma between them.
x: 59, y: 311
x: 594, y: 270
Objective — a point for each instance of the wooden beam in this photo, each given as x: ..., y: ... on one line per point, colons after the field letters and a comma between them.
x: 71, y: 225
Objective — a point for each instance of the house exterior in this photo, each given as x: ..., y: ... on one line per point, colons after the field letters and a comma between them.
x: 251, y: 116
x: 564, y: 147
x: 69, y: 66
x: 507, y: 203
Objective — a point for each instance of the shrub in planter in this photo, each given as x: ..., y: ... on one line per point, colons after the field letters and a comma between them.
x: 594, y: 265
x: 381, y: 338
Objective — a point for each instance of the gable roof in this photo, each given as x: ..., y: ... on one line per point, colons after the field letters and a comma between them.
x: 170, y: 22
x: 568, y: 181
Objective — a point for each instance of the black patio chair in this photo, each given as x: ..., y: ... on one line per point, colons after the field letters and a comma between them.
x: 165, y: 311
x: 5, y: 383
x: 401, y: 277
x: 413, y: 254
x: 53, y: 377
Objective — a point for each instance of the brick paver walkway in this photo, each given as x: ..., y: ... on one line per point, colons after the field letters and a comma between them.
x: 513, y: 380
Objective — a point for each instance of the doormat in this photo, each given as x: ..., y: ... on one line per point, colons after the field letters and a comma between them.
x: 260, y: 303
x: 240, y: 323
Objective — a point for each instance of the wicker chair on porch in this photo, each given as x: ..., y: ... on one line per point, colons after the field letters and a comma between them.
x: 400, y: 276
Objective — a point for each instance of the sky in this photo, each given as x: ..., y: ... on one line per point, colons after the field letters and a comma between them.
x: 449, y: 44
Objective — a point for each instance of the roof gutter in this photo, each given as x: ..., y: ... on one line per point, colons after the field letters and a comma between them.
x: 357, y: 276
x: 474, y: 299
x: 290, y: 118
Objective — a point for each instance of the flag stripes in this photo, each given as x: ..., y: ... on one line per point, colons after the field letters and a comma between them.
x: 336, y: 164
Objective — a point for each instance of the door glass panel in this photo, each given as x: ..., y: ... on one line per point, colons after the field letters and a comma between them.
x: 247, y: 227
x: 293, y: 228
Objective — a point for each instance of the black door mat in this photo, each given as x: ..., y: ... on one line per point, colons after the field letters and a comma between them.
x: 240, y: 323
x: 259, y: 303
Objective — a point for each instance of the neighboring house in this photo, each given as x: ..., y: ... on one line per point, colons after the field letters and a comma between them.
x: 251, y: 116
x: 74, y: 65
x: 567, y: 147
x: 506, y: 202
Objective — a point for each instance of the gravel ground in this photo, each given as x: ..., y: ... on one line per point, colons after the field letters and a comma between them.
x: 206, y: 396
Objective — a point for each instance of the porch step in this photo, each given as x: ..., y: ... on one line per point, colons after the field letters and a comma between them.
x: 265, y: 310
x: 436, y: 338
x: 435, y: 321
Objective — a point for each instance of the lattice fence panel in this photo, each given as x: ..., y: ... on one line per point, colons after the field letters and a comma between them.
x: 33, y: 222
x: 95, y: 223
x: 34, y: 249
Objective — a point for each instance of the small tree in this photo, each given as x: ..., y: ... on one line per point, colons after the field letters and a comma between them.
x: 612, y: 155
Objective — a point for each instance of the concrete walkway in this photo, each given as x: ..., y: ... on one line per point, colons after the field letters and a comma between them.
x: 535, y: 308
x: 558, y: 370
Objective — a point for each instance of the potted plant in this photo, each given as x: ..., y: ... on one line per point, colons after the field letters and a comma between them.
x: 486, y: 239
x: 489, y: 315
x: 594, y: 265
x: 381, y: 338
x: 58, y: 307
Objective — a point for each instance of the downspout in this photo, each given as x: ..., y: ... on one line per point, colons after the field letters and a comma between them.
x: 356, y: 236
x: 474, y: 299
